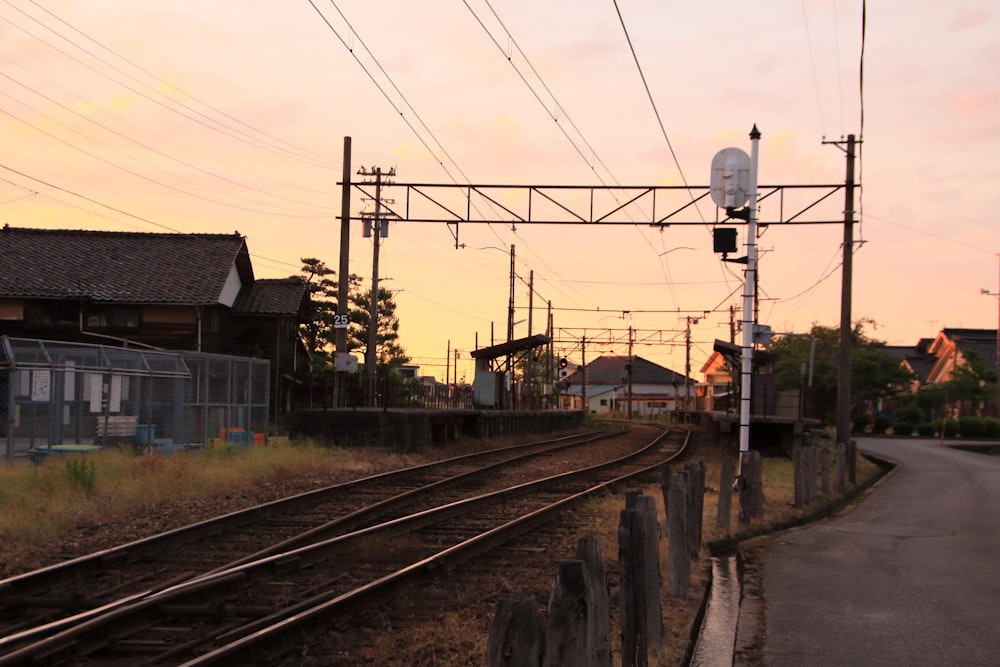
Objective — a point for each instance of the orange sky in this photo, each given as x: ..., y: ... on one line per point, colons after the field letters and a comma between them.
x: 222, y: 116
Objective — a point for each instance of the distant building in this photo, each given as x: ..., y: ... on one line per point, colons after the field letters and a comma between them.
x: 653, y: 390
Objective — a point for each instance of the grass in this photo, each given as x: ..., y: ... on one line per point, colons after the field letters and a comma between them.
x: 39, y: 502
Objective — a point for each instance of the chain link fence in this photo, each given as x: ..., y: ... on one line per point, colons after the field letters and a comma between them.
x: 55, y: 393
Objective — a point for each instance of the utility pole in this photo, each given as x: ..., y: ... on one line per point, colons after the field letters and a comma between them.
x: 628, y: 409
x: 687, y: 362
x: 371, y: 353
x: 510, y: 328
x: 343, y: 284
x: 529, y: 378
x: 846, y: 330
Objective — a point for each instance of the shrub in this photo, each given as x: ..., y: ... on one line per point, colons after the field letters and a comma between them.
x: 902, y: 428
x: 950, y: 427
x: 971, y: 427
x: 881, y: 425
x: 926, y: 429
x: 991, y: 427
x: 910, y: 413
x: 861, y: 422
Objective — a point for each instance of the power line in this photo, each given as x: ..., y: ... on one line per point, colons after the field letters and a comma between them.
x: 198, y: 117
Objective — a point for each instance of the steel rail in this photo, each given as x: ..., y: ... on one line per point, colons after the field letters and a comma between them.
x: 345, y: 523
x: 93, y: 633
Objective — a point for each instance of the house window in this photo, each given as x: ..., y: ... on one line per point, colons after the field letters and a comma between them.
x: 604, y: 402
x: 52, y: 313
x: 113, y: 317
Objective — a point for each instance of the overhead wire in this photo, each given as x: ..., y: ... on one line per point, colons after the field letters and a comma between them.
x: 142, y: 145
x: 554, y: 115
x: 197, y: 117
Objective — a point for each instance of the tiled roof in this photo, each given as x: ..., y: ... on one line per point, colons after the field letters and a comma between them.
x: 272, y: 296
x: 611, y: 370
x: 118, y: 267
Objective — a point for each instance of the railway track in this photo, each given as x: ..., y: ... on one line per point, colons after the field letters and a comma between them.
x: 220, y: 614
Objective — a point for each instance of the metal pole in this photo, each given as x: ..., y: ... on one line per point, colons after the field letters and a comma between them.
x: 746, y: 360
x: 846, y: 331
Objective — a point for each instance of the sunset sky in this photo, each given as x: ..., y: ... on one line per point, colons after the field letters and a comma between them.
x: 231, y: 115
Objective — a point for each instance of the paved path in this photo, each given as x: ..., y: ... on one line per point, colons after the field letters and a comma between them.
x: 910, y: 576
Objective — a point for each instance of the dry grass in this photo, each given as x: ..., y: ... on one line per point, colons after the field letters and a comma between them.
x: 38, y: 503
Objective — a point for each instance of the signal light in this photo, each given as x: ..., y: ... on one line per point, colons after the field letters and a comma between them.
x: 563, y: 363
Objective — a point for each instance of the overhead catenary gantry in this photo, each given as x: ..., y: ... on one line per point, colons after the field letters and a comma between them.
x: 653, y: 205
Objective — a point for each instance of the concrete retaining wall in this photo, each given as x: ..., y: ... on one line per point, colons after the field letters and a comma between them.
x: 411, y: 430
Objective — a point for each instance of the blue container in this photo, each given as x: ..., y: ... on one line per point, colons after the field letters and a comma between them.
x: 145, y: 434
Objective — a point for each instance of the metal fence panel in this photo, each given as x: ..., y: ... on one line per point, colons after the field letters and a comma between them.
x: 54, y: 393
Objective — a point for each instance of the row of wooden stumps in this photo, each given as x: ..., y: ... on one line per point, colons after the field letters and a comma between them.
x: 812, y: 467
x: 575, y: 630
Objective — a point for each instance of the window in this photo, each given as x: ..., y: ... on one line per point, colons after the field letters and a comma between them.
x: 604, y: 402
x: 113, y: 317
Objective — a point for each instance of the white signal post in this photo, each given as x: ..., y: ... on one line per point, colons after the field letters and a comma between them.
x: 746, y: 370
x: 733, y: 183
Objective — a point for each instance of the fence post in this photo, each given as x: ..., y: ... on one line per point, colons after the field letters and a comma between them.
x: 679, y: 562
x: 824, y: 471
x: 841, y: 467
x: 517, y: 634
x: 654, y: 610
x: 726, y: 477
x: 696, y: 503
x: 589, y: 551
x: 852, y: 461
x: 632, y: 588
x: 568, y: 640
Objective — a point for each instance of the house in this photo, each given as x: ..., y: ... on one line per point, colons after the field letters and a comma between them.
x: 951, y: 349
x: 163, y: 291
x: 606, y: 381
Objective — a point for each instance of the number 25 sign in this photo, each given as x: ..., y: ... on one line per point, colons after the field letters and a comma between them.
x: 341, y: 321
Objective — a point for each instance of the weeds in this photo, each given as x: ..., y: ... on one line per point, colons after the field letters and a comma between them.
x: 82, y: 474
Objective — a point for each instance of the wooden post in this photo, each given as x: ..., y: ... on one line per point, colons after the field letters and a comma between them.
x: 852, y: 461
x: 567, y: 634
x: 696, y: 503
x: 678, y: 560
x: 589, y: 551
x: 726, y: 477
x: 751, y: 488
x: 841, y: 467
x: 797, y: 477
x: 654, y: 610
x: 824, y: 471
x: 632, y: 589
x: 517, y: 634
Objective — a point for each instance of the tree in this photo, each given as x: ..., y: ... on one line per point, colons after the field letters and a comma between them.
x: 875, y: 375
x: 318, y: 332
x: 972, y: 383
x: 389, y: 354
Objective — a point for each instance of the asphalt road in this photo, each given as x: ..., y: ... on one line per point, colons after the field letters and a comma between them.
x: 910, y: 576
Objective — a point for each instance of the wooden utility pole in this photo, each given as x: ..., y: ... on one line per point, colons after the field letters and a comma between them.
x: 343, y: 284
x: 846, y: 330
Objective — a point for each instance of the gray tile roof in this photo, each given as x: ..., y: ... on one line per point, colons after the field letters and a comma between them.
x: 272, y: 296
x: 119, y: 267
x: 611, y: 370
